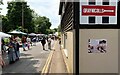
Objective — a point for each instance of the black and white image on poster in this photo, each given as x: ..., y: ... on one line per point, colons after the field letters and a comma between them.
x: 97, y: 45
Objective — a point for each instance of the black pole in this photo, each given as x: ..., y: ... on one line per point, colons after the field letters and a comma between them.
x: 76, y: 27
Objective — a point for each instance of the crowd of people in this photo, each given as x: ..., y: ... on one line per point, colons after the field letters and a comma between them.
x: 13, y: 45
x: 13, y: 49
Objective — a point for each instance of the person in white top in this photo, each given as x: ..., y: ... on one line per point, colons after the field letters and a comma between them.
x: 49, y: 43
x: 28, y: 43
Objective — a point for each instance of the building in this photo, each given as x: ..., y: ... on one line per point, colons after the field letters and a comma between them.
x: 90, y: 31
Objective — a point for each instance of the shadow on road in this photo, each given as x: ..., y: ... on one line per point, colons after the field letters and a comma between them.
x: 31, y: 62
x: 26, y: 64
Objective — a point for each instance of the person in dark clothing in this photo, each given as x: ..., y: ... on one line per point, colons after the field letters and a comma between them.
x: 11, y: 51
x: 102, y: 46
x: 17, y: 52
x: 3, y: 47
x: 23, y: 43
x: 43, y: 41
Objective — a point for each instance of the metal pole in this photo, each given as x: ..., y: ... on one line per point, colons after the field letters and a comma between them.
x: 22, y: 17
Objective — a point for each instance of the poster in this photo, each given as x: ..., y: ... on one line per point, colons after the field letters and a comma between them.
x: 97, y: 46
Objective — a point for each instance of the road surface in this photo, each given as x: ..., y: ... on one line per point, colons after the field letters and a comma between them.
x: 31, y: 61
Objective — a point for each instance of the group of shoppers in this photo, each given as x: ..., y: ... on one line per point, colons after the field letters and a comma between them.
x: 49, y: 40
x: 13, y: 49
x: 26, y: 42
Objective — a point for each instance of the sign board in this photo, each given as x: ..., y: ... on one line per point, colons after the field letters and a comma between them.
x: 88, y: 10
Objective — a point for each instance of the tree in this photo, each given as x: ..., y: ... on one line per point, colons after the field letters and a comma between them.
x: 1, y: 2
x: 42, y: 24
x: 5, y: 25
x: 15, y: 16
x: 59, y: 28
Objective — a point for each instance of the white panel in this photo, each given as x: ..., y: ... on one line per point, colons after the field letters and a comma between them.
x: 113, y: 0
x: 112, y: 20
x: 98, y: 20
x: 83, y: 19
x: 86, y: 1
x: 98, y: 2
x: 112, y: 3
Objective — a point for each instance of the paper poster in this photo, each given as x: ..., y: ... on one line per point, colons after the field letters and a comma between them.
x: 97, y: 46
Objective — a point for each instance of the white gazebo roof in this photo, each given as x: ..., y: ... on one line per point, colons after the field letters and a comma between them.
x: 17, y: 32
x: 2, y: 34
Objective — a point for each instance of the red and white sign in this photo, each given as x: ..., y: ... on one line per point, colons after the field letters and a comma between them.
x: 90, y: 10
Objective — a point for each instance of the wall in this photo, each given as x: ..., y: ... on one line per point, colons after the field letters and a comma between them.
x: 119, y: 51
x: 68, y: 51
x: 98, y: 62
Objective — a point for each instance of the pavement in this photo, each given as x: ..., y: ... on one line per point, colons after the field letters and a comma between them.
x: 31, y: 61
x: 57, y: 64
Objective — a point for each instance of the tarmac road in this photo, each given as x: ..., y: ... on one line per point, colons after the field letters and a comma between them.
x: 31, y: 61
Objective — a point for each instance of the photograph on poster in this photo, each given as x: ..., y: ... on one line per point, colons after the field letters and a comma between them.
x: 97, y: 45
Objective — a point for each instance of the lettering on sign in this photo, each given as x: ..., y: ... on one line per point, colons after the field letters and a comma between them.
x: 98, y: 10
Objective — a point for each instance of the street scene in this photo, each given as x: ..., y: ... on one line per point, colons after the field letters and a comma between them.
x: 61, y: 37
x: 30, y: 38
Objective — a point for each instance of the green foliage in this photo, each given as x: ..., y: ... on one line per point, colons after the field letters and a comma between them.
x: 5, y: 24
x: 42, y: 25
x: 59, y: 28
x: 1, y: 2
x: 55, y: 29
x: 14, y: 17
x: 32, y: 22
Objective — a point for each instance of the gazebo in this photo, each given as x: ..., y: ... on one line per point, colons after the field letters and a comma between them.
x: 17, y: 32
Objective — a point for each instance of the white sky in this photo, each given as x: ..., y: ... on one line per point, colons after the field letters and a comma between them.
x: 48, y: 8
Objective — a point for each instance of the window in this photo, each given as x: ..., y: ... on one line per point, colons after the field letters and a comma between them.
x: 105, y: 2
x: 91, y: 2
x: 105, y: 19
x: 91, y: 19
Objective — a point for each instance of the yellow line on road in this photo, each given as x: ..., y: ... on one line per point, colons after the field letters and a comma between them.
x: 47, y: 64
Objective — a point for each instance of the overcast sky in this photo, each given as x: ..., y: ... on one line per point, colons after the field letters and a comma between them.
x: 48, y: 8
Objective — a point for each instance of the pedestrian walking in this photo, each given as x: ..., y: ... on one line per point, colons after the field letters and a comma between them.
x: 17, y: 52
x: 60, y: 41
x: 28, y: 43
x: 34, y: 41
x: 31, y: 41
x: 43, y: 41
x: 11, y: 51
x: 49, y: 43
x: 3, y: 47
x: 23, y: 42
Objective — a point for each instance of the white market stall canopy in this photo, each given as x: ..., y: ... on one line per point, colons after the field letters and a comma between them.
x: 32, y: 34
x: 4, y: 35
x: 17, y: 32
